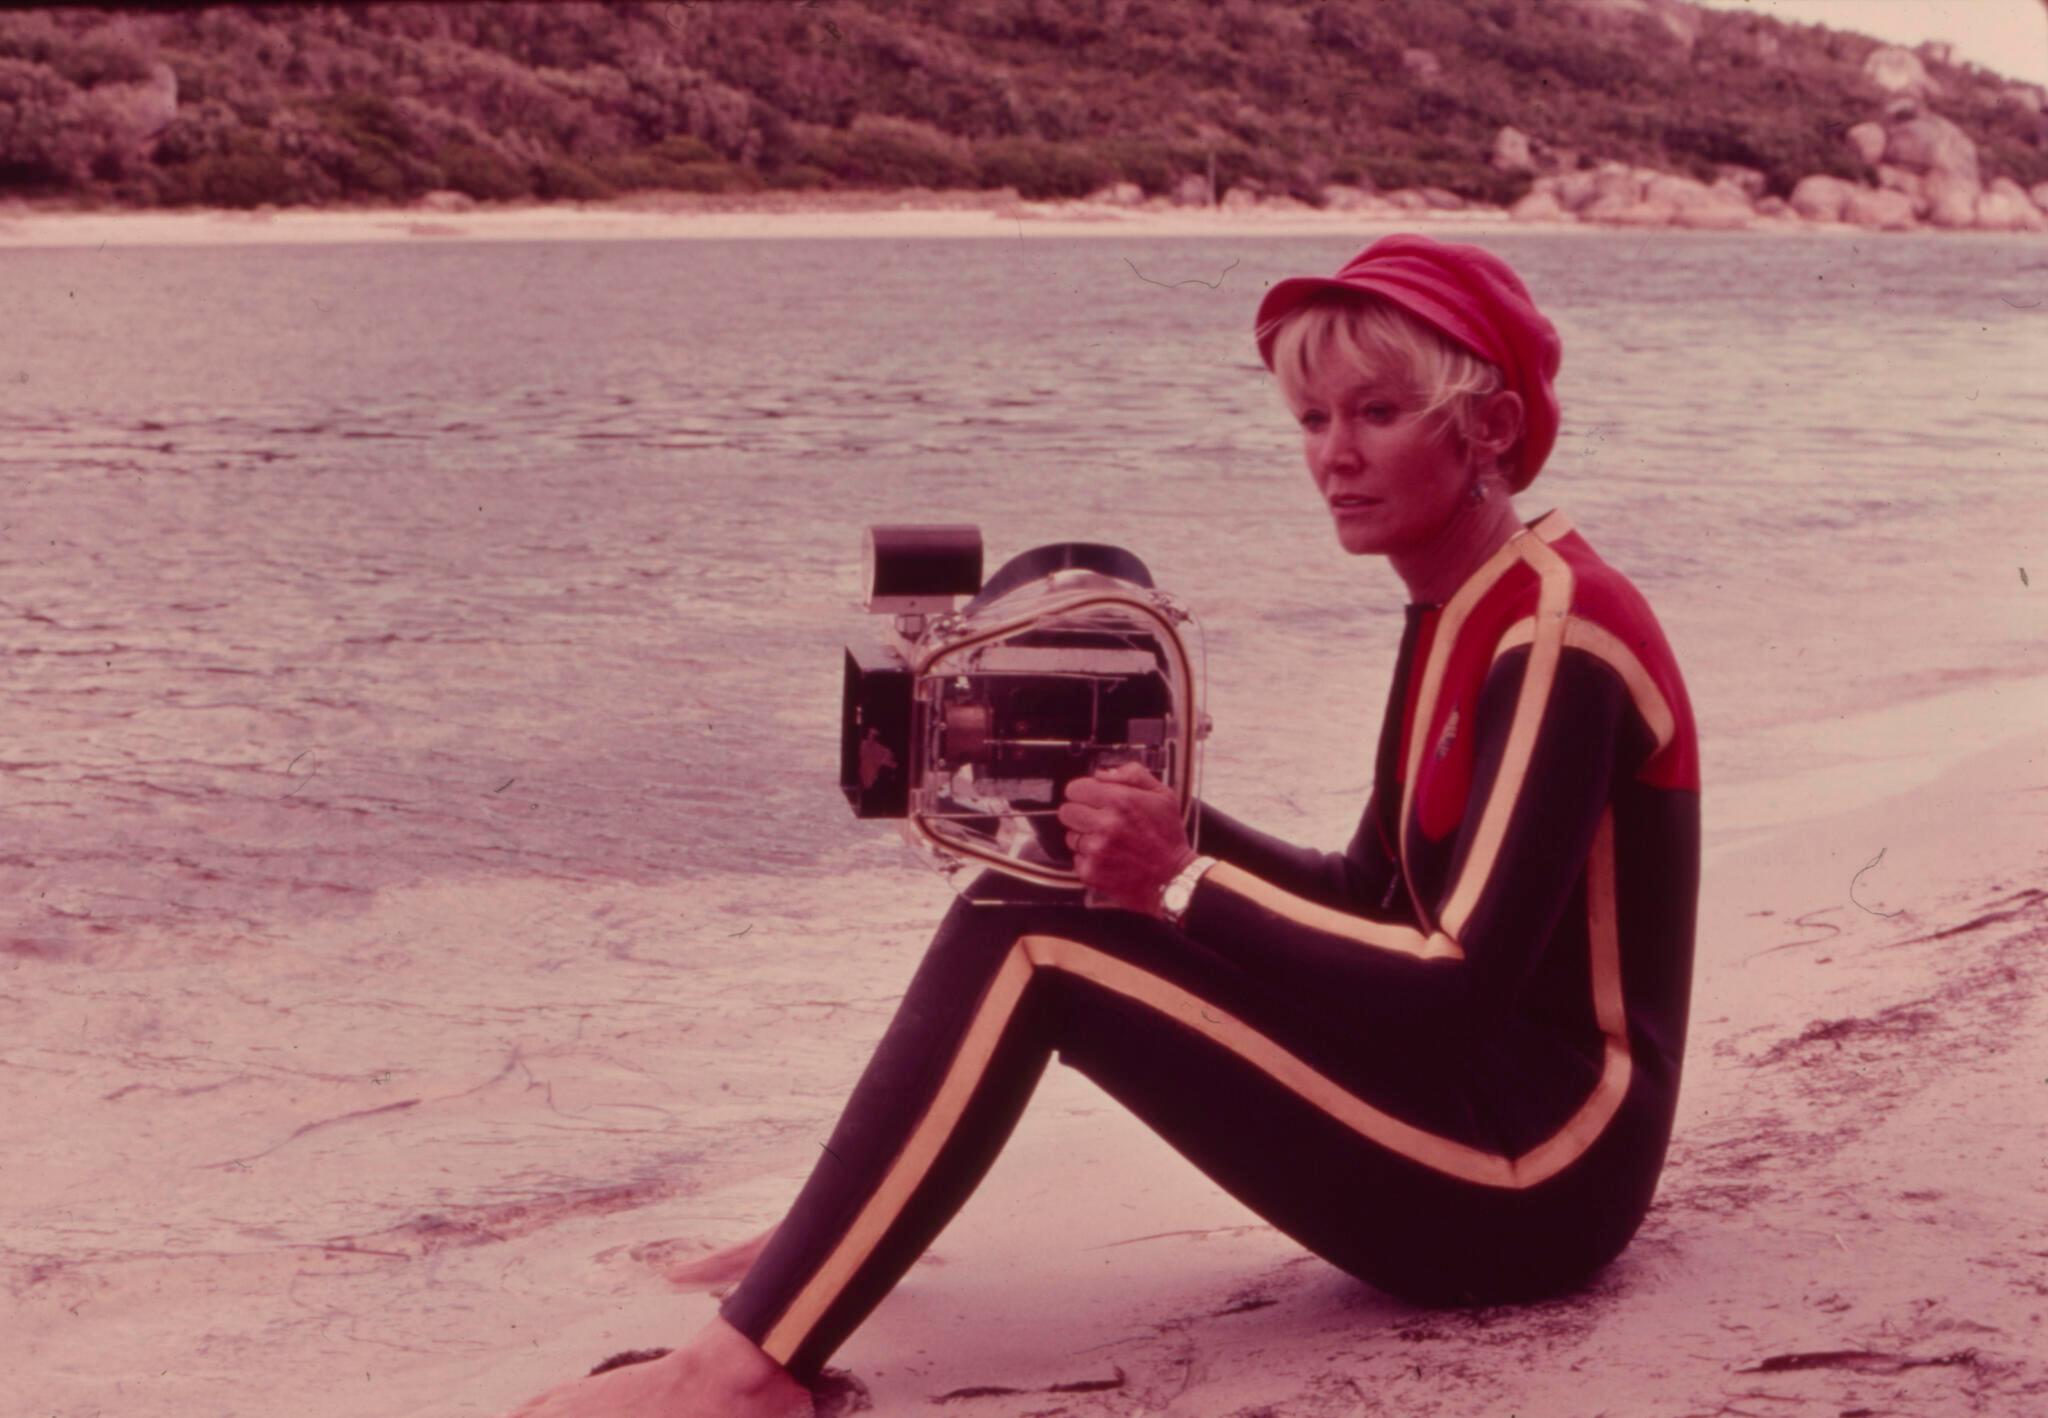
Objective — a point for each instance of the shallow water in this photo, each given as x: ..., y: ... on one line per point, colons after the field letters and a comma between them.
x: 566, y: 533
x: 422, y: 661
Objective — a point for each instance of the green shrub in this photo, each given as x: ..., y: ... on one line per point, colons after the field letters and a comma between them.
x: 1041, y: 170
x: 797, y: 177
x: 248, y: 175
x: 566, y: 180
x: 470, y: 168
x: 890, y: 153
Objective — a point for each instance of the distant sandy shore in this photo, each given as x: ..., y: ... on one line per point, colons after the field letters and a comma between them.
x: 660, y: 217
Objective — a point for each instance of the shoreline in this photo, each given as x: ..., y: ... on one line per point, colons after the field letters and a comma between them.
x: 890, y: 215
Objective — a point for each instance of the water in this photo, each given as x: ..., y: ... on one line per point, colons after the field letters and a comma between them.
x: 421, y: 670
x: 354, y: 564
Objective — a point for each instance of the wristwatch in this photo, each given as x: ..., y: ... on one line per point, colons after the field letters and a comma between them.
x: 1173, y: 901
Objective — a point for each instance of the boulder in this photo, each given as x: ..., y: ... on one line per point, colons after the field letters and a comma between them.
x: 1772, y: 206
x: 2027, y: 98
x: 1897, y: 71
x: 1930, y: 143
x: 1868, y: 140
x: 1879, y: 210
x: 1341, y: 197
x: 1908, y: 184
x: 1727, y: 211
x: 1539, y: 206
x: 2039, y: 192
x: 1241, y: 199
x: 1511, y: 152
x: 1819, y: 198
x: 1951, y: 200
x: 2005, y: 206
x: 1442, y: 199
x: 1573, y: 190
x: 1745, y: 180
x: 1191, y: 191
x: 1408, y: 200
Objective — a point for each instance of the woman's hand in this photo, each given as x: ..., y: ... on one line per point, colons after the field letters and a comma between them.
x: 1128, y: 840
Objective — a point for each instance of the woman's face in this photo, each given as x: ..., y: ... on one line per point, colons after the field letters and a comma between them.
x: 1390, y: 479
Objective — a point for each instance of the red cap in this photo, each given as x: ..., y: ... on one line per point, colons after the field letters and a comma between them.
x: 1466, y: 293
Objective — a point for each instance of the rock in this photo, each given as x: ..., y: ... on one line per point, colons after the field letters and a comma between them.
x: 1191, y: 191
x: 1240, y: 199
x: 1771, y: 206
x: 1341, y: 197
x: 1573, y: 190
x: 1539, y: 206
x: 1820, y: 199
x: 1613, y: 182
x: 1868, y: 140
x: 1511, y: 152
x: 2027, y: 98
x: 443, y: 200
x: 1745, y: 180
x: 2005, y: 206
x: 1897, y: 71
x: 1726, y: 211
x: 1119, y: 194
x: 1951, y: 200
x: 1408, y: 200
x: 1422, y: 64
x: 1879, y: 210
x: 1930, y: 143
x: 1442, y: 199
x: 1907, y: 184
x: 2039, y: 192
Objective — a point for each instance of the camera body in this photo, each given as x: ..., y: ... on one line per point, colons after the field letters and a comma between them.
x: 968, y: 723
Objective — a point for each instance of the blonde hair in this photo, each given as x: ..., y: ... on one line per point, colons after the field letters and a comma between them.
x: 1362, y: 331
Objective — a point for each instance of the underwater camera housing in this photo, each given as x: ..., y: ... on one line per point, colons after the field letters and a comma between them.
x: 968, y: 723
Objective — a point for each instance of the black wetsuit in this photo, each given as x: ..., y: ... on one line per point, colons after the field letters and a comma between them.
x: 1446, y: 1060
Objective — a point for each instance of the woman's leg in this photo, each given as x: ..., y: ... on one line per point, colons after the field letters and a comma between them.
x: 1215, y: 1061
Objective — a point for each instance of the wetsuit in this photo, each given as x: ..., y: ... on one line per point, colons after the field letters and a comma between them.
x: 1445, y: 1060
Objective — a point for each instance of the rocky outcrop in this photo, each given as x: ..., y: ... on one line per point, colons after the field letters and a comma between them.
x: 2005, y: 206
x: 1820, y: 198
x: 1951, y: 200
x: 1898, y: 71
x: 1538, y: 206
x: 1878, y: 210
x: 1927, y: 142
x: 1868, y: 139
x: 1511, y: 151
x: 2039, y: 192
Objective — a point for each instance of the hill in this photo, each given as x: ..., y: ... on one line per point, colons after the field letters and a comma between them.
x: 1054, y: 98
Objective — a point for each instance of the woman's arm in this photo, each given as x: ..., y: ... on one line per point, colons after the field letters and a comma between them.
x: 1363, y: 879
x: 1542, y: 778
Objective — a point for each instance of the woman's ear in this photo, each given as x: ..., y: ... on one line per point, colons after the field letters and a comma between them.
x: 1499, y: 423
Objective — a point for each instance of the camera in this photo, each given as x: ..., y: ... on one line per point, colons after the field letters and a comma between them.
x: 969, y: 720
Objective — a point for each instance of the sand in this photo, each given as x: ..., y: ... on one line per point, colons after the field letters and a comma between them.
x: 1851, y: 1222
x: 658, y: 218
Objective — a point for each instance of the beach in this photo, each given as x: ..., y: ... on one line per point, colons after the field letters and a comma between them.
x: 436, y: 920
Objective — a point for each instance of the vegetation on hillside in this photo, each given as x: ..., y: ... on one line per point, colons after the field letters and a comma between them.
x: 323, y: 104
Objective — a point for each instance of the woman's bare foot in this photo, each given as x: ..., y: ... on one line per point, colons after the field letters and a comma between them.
x: 726, y: 1267
x: 719, y: 1374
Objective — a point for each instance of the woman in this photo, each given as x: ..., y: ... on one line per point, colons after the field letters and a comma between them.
x: 1445, y: 1060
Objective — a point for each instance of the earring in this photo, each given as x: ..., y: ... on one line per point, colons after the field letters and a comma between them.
x: 1476, y: 493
